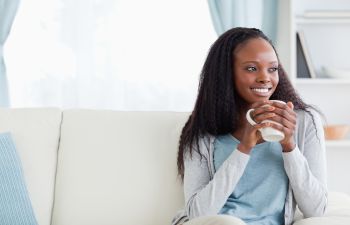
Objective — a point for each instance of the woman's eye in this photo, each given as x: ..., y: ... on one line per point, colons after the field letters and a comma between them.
x: 251, y: 68
x: 274, y: 69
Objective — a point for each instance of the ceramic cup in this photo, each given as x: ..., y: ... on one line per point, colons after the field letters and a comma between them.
x: 268, y: 133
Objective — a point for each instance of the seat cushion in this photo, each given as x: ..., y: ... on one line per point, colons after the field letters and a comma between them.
x: 35, y: 133
x: 118, y: 168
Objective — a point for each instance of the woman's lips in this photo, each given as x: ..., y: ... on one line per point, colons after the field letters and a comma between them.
x: 261, y: 91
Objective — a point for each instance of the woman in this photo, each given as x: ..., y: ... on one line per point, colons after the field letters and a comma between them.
x: 230, y: 174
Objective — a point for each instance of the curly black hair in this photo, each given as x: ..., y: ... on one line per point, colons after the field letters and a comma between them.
x: 218, y: 103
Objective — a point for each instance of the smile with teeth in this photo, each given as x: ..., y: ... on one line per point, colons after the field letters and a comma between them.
x: 261, y: 90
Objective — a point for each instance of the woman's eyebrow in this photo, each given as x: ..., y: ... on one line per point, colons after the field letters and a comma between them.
x: 251, y: 61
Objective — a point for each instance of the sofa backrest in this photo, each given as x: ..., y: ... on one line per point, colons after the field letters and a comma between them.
x: 36, y: 135
x: 118, y: 168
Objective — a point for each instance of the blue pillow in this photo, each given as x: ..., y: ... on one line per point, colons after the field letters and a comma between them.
x: 15, y: 205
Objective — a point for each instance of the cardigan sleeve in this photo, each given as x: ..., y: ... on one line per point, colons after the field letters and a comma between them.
x: 203, y: 195
x: 306, y: 166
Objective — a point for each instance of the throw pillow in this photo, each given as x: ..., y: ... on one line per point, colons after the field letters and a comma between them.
x: 15, y: 205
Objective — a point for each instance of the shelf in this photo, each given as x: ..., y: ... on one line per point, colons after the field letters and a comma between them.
x: 338, y: 144
x: 323, y: 21
x: 321, y: 81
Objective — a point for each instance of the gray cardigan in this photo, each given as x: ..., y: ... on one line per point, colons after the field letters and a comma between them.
x: 206, y: 191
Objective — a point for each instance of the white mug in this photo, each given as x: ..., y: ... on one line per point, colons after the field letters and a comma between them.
x: 268, y: 133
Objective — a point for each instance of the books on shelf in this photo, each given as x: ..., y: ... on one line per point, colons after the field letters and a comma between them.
x: 305, y: 68
x: 326, y: 14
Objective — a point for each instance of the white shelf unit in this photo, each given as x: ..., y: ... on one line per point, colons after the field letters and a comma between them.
x: 328, y: 94
x: 327, y: 37
x: 322, y: 81
x: 338, y: 144
x: 338, y: 20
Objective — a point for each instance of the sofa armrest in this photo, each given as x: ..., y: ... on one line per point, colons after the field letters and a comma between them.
x: 337, y: 213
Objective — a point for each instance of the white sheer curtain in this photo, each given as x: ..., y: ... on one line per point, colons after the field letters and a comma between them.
x: 8, y: 9
x: 108, y: 54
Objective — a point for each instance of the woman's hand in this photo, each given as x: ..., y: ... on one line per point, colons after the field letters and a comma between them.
x: 285, y: 116
x: 250, y: 134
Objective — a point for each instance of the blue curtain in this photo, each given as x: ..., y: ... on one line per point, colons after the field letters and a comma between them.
x: 227, y: 14
x: 8, y: 9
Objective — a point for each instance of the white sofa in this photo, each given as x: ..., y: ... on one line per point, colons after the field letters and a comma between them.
x: 100, y: 167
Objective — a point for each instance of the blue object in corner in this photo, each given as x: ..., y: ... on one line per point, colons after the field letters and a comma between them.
x: 15, y: 204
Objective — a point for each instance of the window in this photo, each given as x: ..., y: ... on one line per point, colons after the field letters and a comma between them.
x: 108, y: 54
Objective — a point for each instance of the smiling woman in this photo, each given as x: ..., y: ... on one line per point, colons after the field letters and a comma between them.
x: 123, y: 55
x: 227, y: 168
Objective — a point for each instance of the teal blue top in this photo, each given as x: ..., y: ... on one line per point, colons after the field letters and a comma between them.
x: 260, y: 194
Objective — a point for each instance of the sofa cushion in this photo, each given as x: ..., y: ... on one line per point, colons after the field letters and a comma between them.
x: 36, y: 134
x: 118, y: 168
x: 15, y: 205
x: 337, y: 212
x: 331, y: 220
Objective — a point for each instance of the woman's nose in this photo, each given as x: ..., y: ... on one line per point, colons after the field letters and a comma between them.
x: 263, y: 77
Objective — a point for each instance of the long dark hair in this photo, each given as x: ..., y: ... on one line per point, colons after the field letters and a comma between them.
x: 218, y: 104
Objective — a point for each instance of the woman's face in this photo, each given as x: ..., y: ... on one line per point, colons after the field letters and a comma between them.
x: 255, y: 69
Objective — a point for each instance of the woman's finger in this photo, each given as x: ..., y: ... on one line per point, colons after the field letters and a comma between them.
x: 284, y: 122
x: 287, y: 131
x: 283, y: 116
x: 261, y: 125
x: 261, y: 103
x: 261, y: 117
x: 261, y: 110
